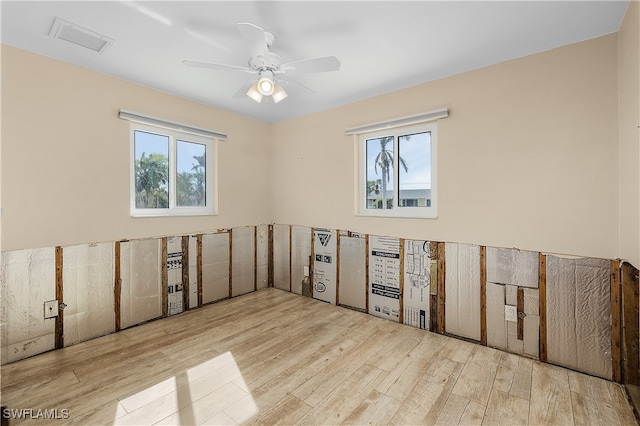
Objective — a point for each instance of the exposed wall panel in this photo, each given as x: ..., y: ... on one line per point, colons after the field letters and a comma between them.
x: 281, y: 266
x: 300, y: 254
x: 512, y: 266
x: 88, y: 280
x: 384, y: 277
x: 243, y: 258
x: 353, y: 272
x: 324, y: 267
x: 28, y: 280
x: 215, y: 267
x: 141, y: 273
x: 579, y: 314
x: 262, y: 257
x: 193, y: 271
x: 417, y: 281
x: 174, y: 275
x: 496, y: 324
x: 462, y: 278
x: 531, y: 322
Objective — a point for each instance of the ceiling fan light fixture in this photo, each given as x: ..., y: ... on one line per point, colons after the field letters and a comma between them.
x: 254, y: 93
x: 266, y: 84
x: 278, y: 94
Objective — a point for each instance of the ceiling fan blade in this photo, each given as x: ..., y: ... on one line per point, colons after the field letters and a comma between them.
x: 288, y: 79
x: 255, y: 39
x: 214, y: 66
x: 242, y: 92
x: 325, y: 64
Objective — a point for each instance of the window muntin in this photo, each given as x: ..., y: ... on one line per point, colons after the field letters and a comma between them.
x: 172, y: 173
x: 397, y: 175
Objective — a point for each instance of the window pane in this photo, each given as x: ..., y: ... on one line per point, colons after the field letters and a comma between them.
x: 151, y: 170
x: 380, y: 173
x: 191, y: 169
x: 414, y: 179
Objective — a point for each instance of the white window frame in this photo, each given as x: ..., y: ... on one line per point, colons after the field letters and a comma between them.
x: 211, y: 173
x: 361, y: 168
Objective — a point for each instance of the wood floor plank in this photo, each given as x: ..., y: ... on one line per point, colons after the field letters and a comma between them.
x: 273, y: 357
x: 452, y: 411
x: 473, y: 414
x: 377, y: 408
x: 345, y: 398
x: 550, y: 401
x: 477, y: 377
x: 589, y: 411
x: 431, y: 393
x: 589, y: 386
x: 521, y: 385
x: 287, y: 411
x: 621, y: 404
x: 503, y: 407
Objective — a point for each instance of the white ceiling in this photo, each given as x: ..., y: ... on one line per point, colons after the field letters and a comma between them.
x: 383, y: 46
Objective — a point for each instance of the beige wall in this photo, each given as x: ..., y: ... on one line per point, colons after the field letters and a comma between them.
x: 629, y: 119
x: 527, y: 158
x: 65, y: 156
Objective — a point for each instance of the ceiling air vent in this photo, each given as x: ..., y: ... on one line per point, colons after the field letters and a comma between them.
x: 76, y: 34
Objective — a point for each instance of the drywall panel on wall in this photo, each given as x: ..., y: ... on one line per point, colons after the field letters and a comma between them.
x: 262, y: 256
x: 28, y: 280
x: 496, y: 324
x: 353, y: 272
x: 193, y: 271
x: 141, y: 274
x: 462, y: 289
x: 579, y: 314
x: 88, y: 278
x: 281, y: 257
x: 503, y: 334
x: 215, y: 267
x: 531, y: 342
x: 384, y: 277
x: 324, y: 266
x: 417, y: 281
x: 300, y: 255
x: 512, y: 266
x: 243, y: 261
x: 174, y: 275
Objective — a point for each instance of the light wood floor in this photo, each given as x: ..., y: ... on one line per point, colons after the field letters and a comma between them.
x: 272, y: 357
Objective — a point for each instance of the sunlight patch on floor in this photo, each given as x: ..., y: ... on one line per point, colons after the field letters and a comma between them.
x: 199, y: 395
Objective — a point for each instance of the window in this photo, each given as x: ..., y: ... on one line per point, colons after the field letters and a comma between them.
x: 397, y: 172
x: 172, y: 173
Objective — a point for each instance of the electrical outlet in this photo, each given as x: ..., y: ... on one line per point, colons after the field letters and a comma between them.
x: 306, y: 271
x: 510, y: 313
x: 50, y: 309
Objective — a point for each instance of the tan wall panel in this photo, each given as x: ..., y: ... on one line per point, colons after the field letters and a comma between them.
x: 629, y: 118
x: 78, y: 156
x: 530, y: 145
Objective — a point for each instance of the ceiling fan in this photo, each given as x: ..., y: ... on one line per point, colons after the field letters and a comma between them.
x: 272, y: 74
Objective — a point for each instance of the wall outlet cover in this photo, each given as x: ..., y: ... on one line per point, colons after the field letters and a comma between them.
x: 510, y: 313
x: 50, y: 309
